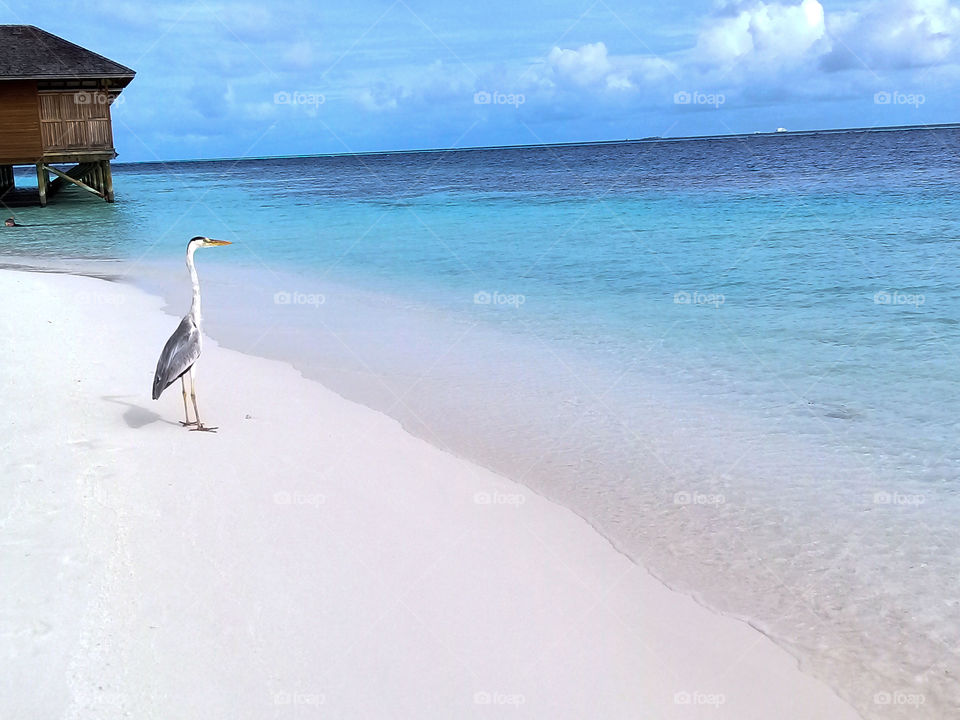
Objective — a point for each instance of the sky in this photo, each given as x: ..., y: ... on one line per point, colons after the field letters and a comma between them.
x: 292, y: 77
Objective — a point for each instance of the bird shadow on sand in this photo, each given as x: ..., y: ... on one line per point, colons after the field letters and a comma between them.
x: 136, y: 416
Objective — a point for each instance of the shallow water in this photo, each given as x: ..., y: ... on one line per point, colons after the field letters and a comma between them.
x: 734, y: 357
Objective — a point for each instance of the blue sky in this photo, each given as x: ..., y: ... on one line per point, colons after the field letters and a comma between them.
x: 229, y: 79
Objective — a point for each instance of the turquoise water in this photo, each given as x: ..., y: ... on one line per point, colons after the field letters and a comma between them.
x: 734, y: 357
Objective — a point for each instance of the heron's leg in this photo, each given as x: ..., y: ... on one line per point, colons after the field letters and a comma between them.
x: 193, y: 396
x: 186, y: 414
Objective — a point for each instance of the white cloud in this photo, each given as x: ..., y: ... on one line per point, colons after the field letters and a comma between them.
x: 760, y: 34
x: 894, y: 34
x: 877, y: 35
x: 762, y: 53
x: 592, y: 67
x: 586, y: 65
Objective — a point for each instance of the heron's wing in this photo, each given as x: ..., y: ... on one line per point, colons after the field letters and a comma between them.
x: 180, y: 352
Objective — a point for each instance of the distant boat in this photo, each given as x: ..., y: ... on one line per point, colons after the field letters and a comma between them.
x: 782, y: 130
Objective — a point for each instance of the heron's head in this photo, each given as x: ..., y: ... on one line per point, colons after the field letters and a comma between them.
x: 200, y: 241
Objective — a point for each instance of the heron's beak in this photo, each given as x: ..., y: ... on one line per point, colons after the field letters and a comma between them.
x: 219, y: 242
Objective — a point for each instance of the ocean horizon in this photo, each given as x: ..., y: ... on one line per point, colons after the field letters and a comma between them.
x: 734, y: 356
x: 563, y: 144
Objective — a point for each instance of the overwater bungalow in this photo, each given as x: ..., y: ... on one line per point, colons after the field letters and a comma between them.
x: 55, y: 100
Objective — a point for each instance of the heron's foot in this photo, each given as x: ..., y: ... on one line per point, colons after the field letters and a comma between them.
x: 189, y: 423
x: 203, y: 428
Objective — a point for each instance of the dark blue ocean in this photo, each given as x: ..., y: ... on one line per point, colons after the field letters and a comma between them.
x: 735, y: 357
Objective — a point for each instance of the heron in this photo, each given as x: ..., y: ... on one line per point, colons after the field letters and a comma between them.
x: 180, y: 354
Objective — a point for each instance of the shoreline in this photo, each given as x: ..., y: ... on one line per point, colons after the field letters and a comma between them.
x: 448, y: 492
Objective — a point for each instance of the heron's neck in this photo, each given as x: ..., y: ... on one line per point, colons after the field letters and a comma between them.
x: 195, y: 281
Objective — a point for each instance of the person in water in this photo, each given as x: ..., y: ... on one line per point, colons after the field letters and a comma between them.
x: 10, y: 222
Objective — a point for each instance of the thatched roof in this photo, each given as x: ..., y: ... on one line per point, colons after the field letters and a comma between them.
x: 29, y: 53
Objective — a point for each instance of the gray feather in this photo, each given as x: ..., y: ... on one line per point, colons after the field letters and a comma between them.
x: 180, y: 352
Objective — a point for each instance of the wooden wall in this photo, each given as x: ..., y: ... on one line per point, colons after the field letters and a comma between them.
x: 20, y: 140
x: 75, y: 120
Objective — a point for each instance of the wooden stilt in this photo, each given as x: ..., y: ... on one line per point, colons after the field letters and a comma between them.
x: 93, y: 176
x: 42, y: 184
x: 107, y: 182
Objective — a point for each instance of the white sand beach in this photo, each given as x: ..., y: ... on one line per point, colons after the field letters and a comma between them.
x: 311, y: 559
